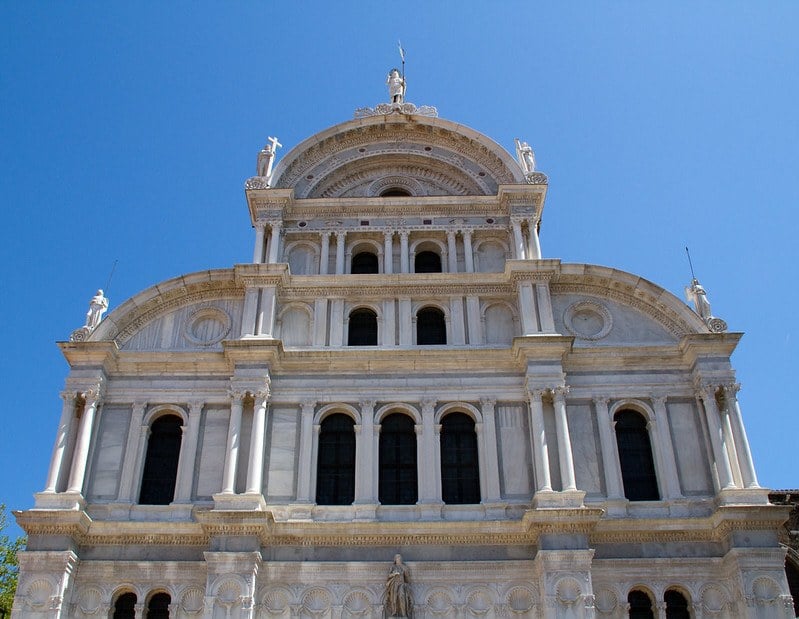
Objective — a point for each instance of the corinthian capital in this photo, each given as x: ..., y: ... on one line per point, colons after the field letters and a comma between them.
x: 559, y: 393
x: 731, y: 389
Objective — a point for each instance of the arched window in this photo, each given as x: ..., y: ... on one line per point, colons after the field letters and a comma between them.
x: 635, y: 457
x: 335, y: 462
x: 161, y: 462
x: 676, y: 605
x: 792, y: 573
x: 460, y: 471
x: 364, y: 262
x: 398, y: 474
x: 431, y: 327
x: 125, y: 607
x: 362, y: 328
x: 427, y: 262
x: 158, y: 608
x: 640, y: 605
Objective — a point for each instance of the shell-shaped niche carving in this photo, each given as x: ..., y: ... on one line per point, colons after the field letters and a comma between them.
x: 520, y: 600
x: 357, y: 603
x: 38, y: 593
x: 568, y: 590
x: 439, y: 602
x: 765, y: 589
x: 192, y: 600
x: 605, y: 601
x: 228, y: 591
x: 316, y: 600
x: 89, y: 600
x: 713, y: 599
x: 479, y: 601
x: 276, y: 600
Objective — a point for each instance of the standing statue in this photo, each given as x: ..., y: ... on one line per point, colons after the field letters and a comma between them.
x: 97, y: 307
x: 526, y: 157
x: 397, y: 599
x: 696, y: 294
x: 396, y: 86
x: 266, y: 158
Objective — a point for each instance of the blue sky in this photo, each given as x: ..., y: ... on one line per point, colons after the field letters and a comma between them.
x: 127, y: 130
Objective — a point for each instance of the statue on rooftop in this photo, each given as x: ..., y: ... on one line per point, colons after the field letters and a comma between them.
x: 396, y: 86
x: 696, y: 294
x: 266, y: 158
x: 525, y: 156
x: 397, y: 599
x: 97, y: 307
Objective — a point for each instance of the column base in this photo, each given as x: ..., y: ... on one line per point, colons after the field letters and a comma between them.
x: 250, y: 502
x: 742, y: 496
x: 73, y: 501
x: 567, y: 498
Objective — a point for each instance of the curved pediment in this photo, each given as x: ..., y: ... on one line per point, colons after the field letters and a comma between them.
x: 415, y: 154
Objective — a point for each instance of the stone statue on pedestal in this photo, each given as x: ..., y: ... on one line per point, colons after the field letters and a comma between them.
x: 266, y: 158
x: 396, y: 86
x: 526, y: 157
x: 397, y: 599
x: 696, y: 294
x: 97, y: 307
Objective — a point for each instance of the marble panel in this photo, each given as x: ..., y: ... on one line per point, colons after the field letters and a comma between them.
x: 109, y: 451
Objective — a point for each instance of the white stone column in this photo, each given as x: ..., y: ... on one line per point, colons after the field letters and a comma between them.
x: 539, y: 441
x: 720, y: 458
x: 389, y: 329
x: 324, y: 256
x: 337, y: 322
x: 748, y: 473
x: 527, y: 308
x: 81, y: 454
x: 255, y: 471
x: 468, y: 252
x: 610, y: 460
x: 488, y: 451
x: 428, y: 455
x: 564, y: 440
x: 473, y: 320
x: 665, y: 448
x: 388, y: 252
x: 365, y: 460
x: 518, y: 239
x: 545, y: 307
x: 452, y: 252
x: 265, y: 319
x: 304, y: 473
x: 320, y: 321
x: 188, y: 453
x: 534, y: 250
x: 341, y: 237
x: 274, y: 244
x: 134, y: 452
x: 258, y: 251
x: 405, y: 322
x: 729, y: 442
x: 233, y: 443
x: 248, y: 316
x: 456, y: 320
x: 404, y: 266
x: 65, y: 428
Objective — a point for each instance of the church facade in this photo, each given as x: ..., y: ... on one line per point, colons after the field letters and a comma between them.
x: 401, y: 408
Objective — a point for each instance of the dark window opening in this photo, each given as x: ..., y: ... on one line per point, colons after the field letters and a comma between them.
x: 427, y: 262
x: 364, y: 263
x: 398, y: 483
x: 635, y: 457
x: 431, y: 326
x: 362, y: 329
x: 792, y: 573
x: 158, y: 608
x: 125, y: 606
x: 460, y: 471
x: 640, y: 605
x: 676, y: 605
x: 395, y: 192
x: 161, y: 462
x: 335, y: 463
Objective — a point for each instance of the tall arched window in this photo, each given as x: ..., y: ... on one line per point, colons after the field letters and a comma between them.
x: 398, y: 474
x: 635, y: 457
x: 460, y: 470
x: 364, y: 262
x: 676, y: 605
x: 431, y: 326
x: 362, y: 328
x: 158, y: 608
x: 125, y: 606
x: 161, y: 462
x: 427, y: 262
x: 335, y: 462
x: 640, y: 605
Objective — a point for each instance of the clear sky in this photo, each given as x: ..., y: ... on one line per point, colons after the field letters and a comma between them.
x: 127, y: 131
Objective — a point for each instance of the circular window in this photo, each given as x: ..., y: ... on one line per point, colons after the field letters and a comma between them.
x: 588, y: 320
x: 207, y: 326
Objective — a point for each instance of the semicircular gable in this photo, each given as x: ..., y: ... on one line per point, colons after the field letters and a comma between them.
x: 604, y: 306
x: 341, y: 160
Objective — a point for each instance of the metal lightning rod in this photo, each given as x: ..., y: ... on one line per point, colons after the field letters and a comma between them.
x: 108, y: 283
x: 690, y: 264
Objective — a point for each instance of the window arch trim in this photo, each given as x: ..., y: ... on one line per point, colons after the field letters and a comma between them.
x: 162, y: 410
x: 314, y: 248
x: 459, y: 407
x: 398, y: 407
x: 339, y: 407
x: 437, y: 246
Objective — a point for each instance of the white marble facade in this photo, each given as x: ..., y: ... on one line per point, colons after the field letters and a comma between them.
x: 540, y: 356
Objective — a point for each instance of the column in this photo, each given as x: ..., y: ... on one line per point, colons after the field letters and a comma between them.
x: 81, y: 453
x: 545, y: 307
x: 65, y: 428
x: 320, y: 321
x: 134, y: 452
x: 456, y: 320
x: 188, y: 453
x: 564, y: 440
x: 365, y: 460
x: 337, y: 322
x: 404, y: 268
x: 304, y: 472
x: 255, y: 471
x: 610, y: 462
x: 405, y: 322
x: 389, y: 323
x: 340, y: 238
x: 539, y: 441
x: 518, y: 239
x: 250, y: 310
x: 324, y: 257
x: 452, y: 253
x: 258, y: 251
x: 722, y: 464
x: 265, y: 317
x: 488, y: 451
x: 527, y: 309
x: 534, y: 250
x: 233, y: 443
x: 729, y: 441
x: 388, y: 252
x: 468, y: 252
x: 274, y: 243
x: 663, y: 445
x: 748, y: 473
x: 429, y: 455
x: 473, y: 320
